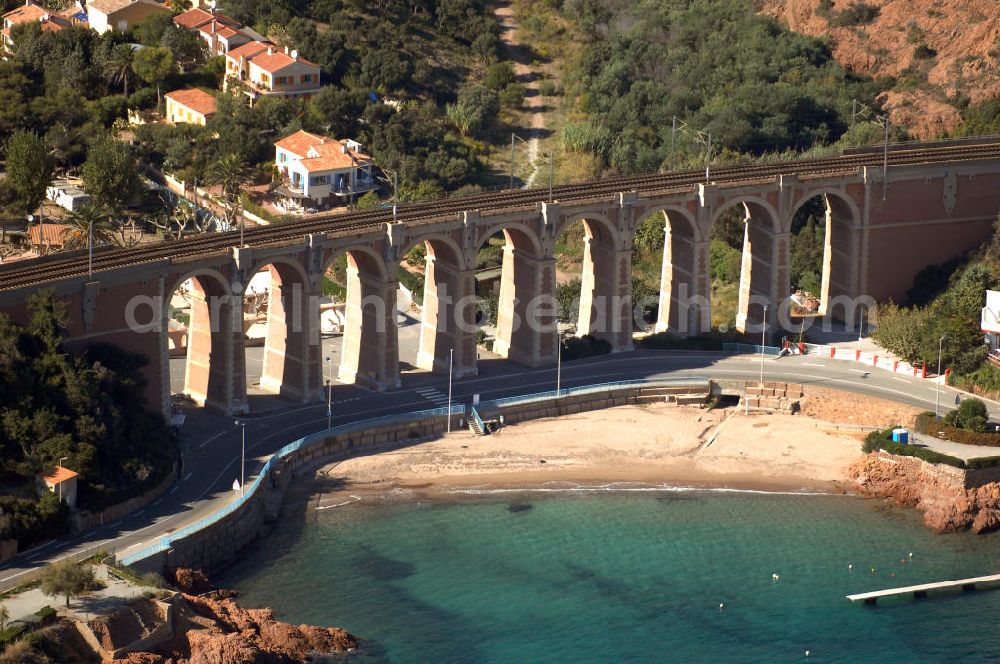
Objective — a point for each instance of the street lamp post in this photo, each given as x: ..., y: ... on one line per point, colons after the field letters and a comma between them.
x: 451, y: 364
x: 61, y: 459
x: 329, y: 393
x: 861, y: 326
x: 243, y: 455
x: 937, y: 383
x: 763, y: 330
x: 558, y: 362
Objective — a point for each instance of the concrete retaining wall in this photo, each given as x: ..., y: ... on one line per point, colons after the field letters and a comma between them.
x: 85, y: 520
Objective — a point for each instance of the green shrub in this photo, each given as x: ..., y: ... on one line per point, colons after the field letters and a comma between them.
x: 46, y: 614
x: 575, y: 348
x: 858, y: 13
x: 983, y: 462
x: 882, y: 440
x: 11, y: 633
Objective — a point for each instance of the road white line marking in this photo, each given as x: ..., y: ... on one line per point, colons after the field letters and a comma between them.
x: 173, y: 490
x: 116, y: 523
x: 158, y: 502
x: 139, y: 512
x: 860, y: 371
x: 186, y: 477
x: 813, y: 364
x: 901, y: 380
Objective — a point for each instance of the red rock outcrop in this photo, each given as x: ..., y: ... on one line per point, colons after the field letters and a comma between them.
x: 212, y: 629
x: 937, y: 491
x: 962, y: 33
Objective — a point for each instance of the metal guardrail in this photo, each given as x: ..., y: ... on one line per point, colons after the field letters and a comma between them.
x: 479, y: 420
x: 751, y: 348
x: 589, y: 389
x: 167, y: 541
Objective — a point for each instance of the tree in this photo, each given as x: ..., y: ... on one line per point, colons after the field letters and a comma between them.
x: 120, y: 65
x: 4, y: 617
x: 476, y: 109
x: 231, y: 173
x: 66, y: 578
x: 88, y: 223
x: 109, y: 174
x: 29, y: 168
x: 971, y: 415
x: 153, y: 65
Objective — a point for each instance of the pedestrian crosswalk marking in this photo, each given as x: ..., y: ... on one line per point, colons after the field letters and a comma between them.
x: 433, y: 395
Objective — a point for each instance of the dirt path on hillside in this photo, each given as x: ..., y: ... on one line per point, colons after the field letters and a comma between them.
x: 528, y: 77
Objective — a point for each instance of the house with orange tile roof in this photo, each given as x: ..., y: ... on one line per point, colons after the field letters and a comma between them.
x: 62, y: 482
x: 263, y: 69
x: 46, y: 236
x: 30, y: 13
x: 315, y: 168
x: 221, y: 33
x: 121, y: 15
x: 193, y: 106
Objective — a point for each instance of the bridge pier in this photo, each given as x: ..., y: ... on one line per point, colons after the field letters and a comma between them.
x: 525, y: 310
x: 606, y: 291
x: 292, y: 338
x: 369, y: 356
x: 448, y: 323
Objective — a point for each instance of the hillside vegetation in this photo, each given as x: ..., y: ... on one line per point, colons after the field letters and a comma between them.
x: 939, y: 59
x: 85, y: 408
x: 715, y: 65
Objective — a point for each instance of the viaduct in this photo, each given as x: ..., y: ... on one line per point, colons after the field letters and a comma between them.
x: 888, y: 214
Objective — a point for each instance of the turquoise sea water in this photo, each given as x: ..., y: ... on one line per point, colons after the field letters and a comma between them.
x: 626, y: 577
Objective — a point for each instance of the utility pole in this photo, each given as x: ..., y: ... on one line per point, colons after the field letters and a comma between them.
x: 512, y: 160
x: 708, y: 158
x: 451, y: 364
x: 937, y: 383
x: 558, y: 363
x: 551, y: 169
x: 90, y: 249
x: 763, y: 330
x: 885, y: 158
x: 673, y: 141
x: 854, y: 112
x: 329, y: 393
x: 861, y: 326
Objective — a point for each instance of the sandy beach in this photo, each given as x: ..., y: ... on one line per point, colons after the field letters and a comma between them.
x: 652, y: 444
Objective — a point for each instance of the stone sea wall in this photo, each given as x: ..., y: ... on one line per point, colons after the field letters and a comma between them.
x: 951, y: 499
x: 219, y: 543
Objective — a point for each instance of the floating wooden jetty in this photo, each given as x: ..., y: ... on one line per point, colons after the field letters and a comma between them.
x: 921, y: 590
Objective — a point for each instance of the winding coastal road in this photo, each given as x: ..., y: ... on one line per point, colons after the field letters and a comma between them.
x: 211, y: 444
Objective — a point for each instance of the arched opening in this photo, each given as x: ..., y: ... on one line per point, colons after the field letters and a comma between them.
x: 725, y: 262
x: 444, y: 291
x: 357, y: 326
x: 822, y: 247
x: 279, y: 326
x: 511, y: 275
x: 201, y: 324
x: 593, y: 289
x: 665, y: 292
x: 758, y: 289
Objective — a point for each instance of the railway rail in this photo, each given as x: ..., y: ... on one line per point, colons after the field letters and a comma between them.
x: 34, y: 273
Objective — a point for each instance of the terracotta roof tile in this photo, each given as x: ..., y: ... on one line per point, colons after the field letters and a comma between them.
x: 330, y: 152
x: 277, y: 61
x: 110, y: 6
x: 46, y: 234
x: 249, y: 50
x: 25, y: 14
x: 197, y: 100
x: 58, y: 475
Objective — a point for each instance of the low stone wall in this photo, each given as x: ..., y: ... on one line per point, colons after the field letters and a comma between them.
x: 85, y: 520
x: 219, y: 543
x: 769, y: 396
x: 579, y: 403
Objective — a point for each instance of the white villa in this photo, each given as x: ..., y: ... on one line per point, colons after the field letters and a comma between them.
x: 314, y: 168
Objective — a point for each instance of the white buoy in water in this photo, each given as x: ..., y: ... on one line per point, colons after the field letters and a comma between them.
x: 807, y: 653
x: 850, y: 566
x: 911, y: 554
x: 721, y: 606
x: 775, y: 577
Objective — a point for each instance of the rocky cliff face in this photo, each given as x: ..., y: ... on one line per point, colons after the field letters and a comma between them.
x: 938, y: 492
x: 939, y: 51
x: 212, y: 629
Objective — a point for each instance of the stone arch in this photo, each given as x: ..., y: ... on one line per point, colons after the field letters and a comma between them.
x: 764, y: 271
x: 526, y: 322
x: 291, y: 337
x: 214, y: 363
x: 841, y: 223
x: 448, y: 316
x: 684, y: 305
x: 605, y: 310
x: 368, y: 355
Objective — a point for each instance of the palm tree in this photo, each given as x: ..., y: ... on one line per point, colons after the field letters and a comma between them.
x: 120, y: 65
x: 231, y: 173
x: 87, y: 223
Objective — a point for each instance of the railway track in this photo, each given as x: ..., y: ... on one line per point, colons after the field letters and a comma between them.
x: 40, y: 272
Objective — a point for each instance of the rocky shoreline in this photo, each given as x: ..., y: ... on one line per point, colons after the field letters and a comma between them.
x: 939, y: 492
x: 210, y: 628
